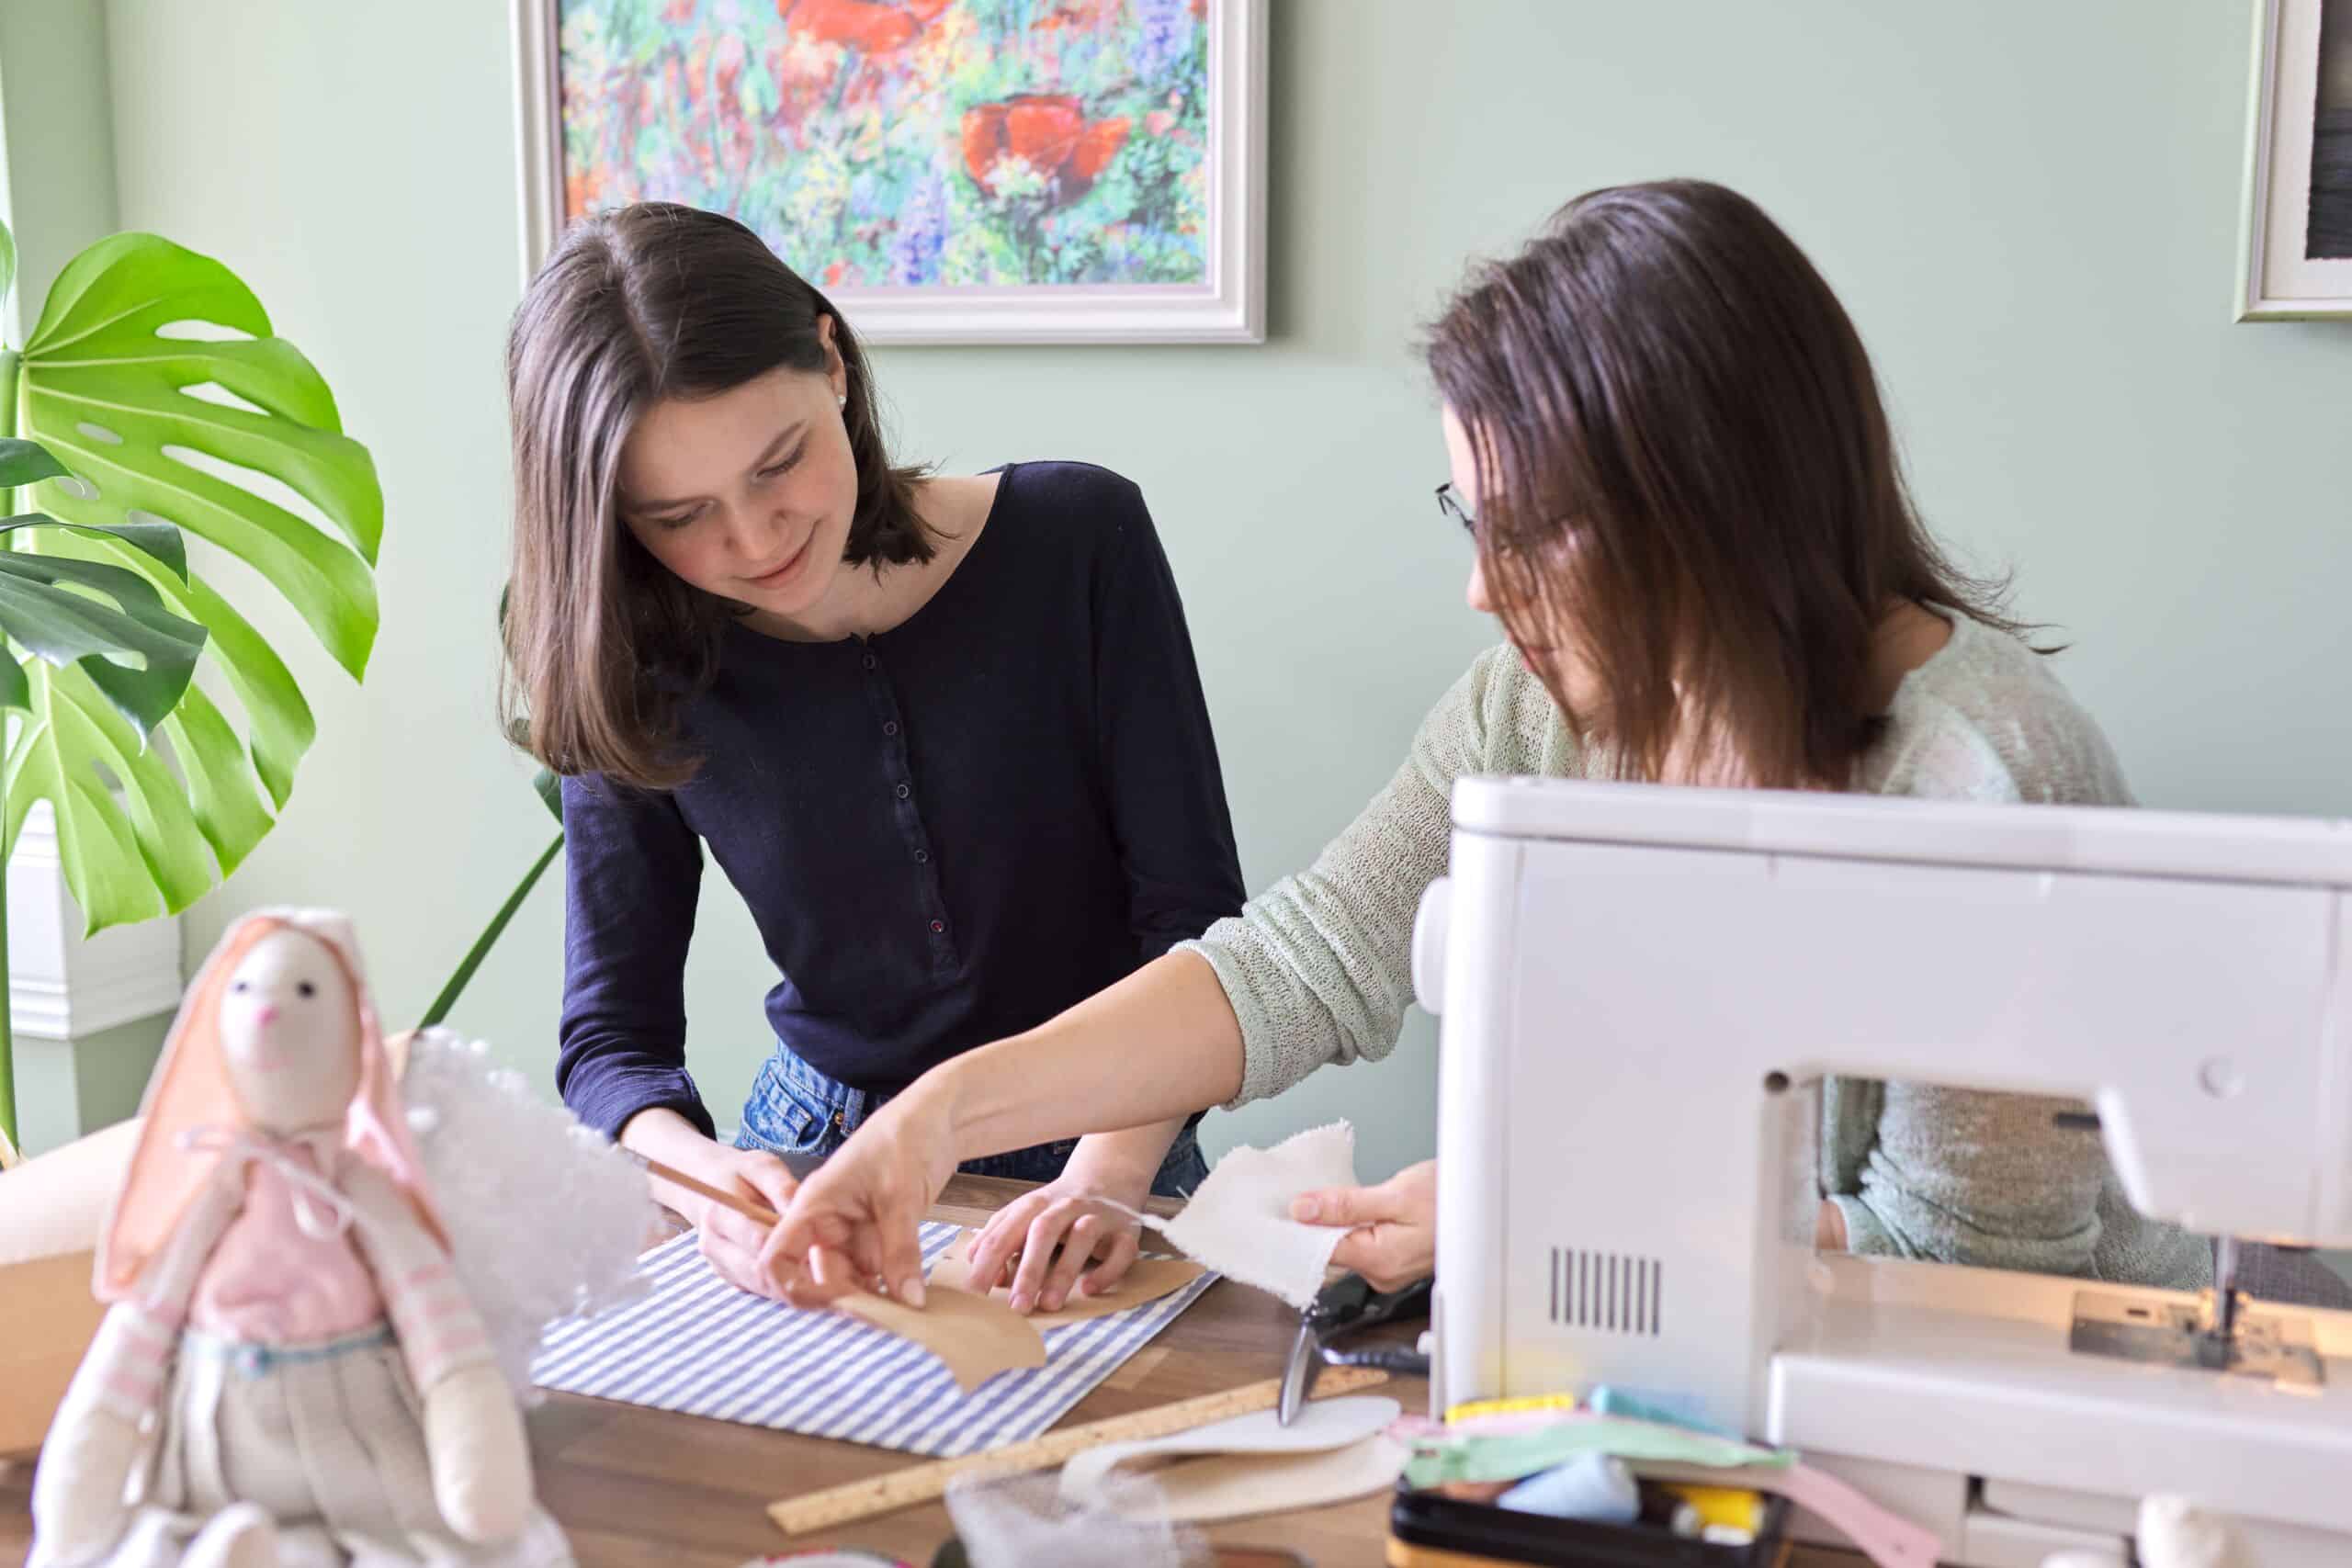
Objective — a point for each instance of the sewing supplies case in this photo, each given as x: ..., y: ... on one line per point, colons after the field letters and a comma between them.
x: 1422, y: 1524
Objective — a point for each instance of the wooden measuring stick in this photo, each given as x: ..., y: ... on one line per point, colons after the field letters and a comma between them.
x: 927, y: 1482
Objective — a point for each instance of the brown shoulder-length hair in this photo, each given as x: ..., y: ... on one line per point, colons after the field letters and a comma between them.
x: 635, y: 306
x: 1684, y: 460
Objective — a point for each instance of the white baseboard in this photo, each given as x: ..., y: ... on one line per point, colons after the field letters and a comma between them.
x: 61, y: 984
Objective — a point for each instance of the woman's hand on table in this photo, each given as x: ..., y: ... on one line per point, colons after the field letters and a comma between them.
x: 1392, y: 1228
x: 853, y: 1223
x: 1042, y: 1239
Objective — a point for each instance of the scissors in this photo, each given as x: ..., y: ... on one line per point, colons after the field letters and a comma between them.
x: 1343, y: 1306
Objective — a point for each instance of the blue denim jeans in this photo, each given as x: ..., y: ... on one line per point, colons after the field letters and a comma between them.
x: 795, y: 1110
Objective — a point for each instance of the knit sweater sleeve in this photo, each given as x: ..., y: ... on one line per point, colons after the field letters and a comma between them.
x: 1318, y: 967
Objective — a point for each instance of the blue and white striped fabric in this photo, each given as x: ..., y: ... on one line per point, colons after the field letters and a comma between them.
x: 698, y: 1346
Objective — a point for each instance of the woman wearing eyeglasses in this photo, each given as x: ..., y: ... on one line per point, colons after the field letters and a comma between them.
x: 1668, y: 446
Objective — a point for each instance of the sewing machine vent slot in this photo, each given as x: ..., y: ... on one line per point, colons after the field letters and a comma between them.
x: 1612, y: 1291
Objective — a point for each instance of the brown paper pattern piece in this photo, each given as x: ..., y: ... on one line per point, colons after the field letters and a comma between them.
x: 1146, y: 1280
x: 976, y: 1337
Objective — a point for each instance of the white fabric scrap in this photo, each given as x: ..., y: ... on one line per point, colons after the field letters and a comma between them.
x: 1024, y: 1522
x: 2175, y: 1533
x: 546, y: 1220
x: 1238, y: 1223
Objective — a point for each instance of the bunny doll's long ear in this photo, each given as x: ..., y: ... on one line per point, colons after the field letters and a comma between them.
x: 189, y: 1089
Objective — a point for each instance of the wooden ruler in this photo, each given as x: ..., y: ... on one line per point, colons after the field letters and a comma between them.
x: 927, y: 1482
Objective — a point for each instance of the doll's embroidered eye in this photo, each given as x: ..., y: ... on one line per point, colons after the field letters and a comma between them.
x: 306, y: 989
x: 242, y: 985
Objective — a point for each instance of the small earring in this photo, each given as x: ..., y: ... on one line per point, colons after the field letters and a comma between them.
x: 841, y: 401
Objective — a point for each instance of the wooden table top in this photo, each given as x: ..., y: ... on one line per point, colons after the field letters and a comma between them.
x: 635, y: 1486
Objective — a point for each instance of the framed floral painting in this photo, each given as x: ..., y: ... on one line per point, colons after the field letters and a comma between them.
x: 2298, y: 246
x: 946, y: 170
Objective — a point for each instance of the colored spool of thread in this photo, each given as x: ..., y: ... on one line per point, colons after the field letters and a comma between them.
x: 1731, y: 1507
x: 1510, y: 1407
x: 1596, y: 1488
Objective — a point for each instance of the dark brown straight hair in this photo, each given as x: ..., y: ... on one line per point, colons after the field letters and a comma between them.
x: 1683, y: 460
x: 636, y: 306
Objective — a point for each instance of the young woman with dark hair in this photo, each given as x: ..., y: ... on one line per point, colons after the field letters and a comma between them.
x: 1670, y: 452
x: 944, y: 735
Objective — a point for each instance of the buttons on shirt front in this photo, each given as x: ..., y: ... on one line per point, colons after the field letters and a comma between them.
x: 901, y: 791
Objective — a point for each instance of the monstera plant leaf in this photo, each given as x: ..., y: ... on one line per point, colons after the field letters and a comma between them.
x: 41, y: 607
x: 154, y: 378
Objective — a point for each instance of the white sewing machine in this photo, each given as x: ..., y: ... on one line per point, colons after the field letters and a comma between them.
x: 1640, y: 990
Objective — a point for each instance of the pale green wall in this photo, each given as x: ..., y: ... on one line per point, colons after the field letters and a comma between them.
x: 2030, y: 208
x: 58, y: 133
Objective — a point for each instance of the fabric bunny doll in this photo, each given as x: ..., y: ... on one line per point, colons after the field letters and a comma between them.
x: 289, y: 1370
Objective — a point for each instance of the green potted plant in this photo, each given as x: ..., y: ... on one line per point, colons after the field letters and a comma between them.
x: 151, y: 401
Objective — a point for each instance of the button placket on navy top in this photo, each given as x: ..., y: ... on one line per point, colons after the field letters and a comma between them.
x: 898, y: 773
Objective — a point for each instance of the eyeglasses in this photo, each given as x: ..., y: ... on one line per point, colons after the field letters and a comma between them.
x: 1449, y: 502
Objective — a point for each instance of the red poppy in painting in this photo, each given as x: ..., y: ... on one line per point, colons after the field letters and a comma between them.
x: 863, y: 25
x: 1099, y: 144
x: 1043, y: 129
x: 1049, y: 132
x: 983, y: 140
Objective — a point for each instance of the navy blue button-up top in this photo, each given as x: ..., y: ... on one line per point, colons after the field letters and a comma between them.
x: 947, y: 833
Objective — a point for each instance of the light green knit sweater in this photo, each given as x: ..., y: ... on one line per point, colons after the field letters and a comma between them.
x: 1318, y: 967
